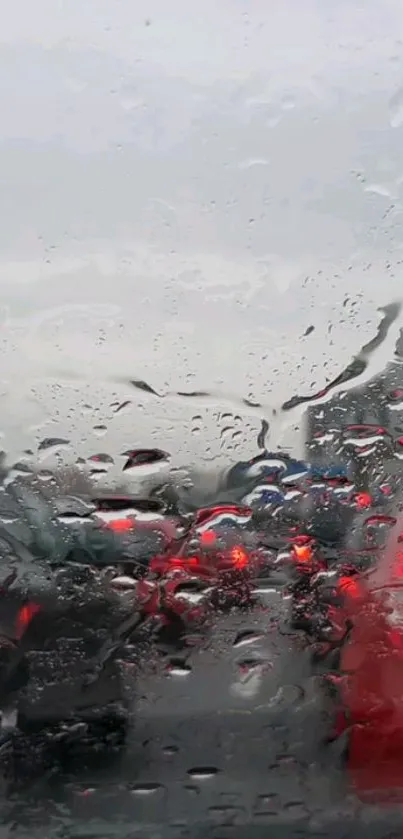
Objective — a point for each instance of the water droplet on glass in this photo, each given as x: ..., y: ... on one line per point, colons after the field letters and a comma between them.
x: 146, y: 789
x: 395, y: 399
x: 100, y: 430
x: 191, y: 789
x: 145, y: 461
x: 261, y: 437
x: 398, y: 448
x: 248, y: 680
x: 22, y: 469
x: 169, y: 751
x: 101, y: 459
x: 226, y: 433
x: 203, y: 773
x: 396, y: 109
x: 364, y: 440
x: 226, y: 815
x: 176, y: 667
x: 246, y: 637
x: 266, y: 803
x: 120, y: 407
x: 45, y: 476
x: 97, y: 474
x: 296, y: 809
x: 6, y: 518
x: 123, y: 583
x: 379, y: 189
x: 254, y: 162
x: 197, y: 423
x: 288, y: 103
x: 52, y: 444
x: 86, y: 792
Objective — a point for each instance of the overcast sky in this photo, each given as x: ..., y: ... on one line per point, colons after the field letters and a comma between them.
x: 185, y: 189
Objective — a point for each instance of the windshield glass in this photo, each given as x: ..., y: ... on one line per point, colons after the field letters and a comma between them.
x: 201, y: 436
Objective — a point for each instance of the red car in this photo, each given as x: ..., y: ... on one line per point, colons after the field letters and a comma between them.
x: 366, y: 630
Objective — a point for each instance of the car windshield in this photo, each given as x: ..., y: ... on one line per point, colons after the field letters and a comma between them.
x: 202, y: 432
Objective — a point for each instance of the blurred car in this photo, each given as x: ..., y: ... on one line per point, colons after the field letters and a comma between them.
x: 60, y: 622
x: 95, y: 590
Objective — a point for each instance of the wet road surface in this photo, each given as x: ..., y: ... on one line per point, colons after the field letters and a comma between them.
x: 226, y: 742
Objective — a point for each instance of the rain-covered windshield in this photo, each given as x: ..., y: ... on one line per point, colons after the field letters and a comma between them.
x: 201, y: 536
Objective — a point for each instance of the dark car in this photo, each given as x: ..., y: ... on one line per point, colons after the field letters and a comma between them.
x: 61, y: 620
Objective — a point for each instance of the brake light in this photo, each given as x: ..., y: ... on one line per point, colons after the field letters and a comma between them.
x: 350, y: 587
x: 24, y: 618
x: 363, y: 500
x: 303, y: 549
x: 239, y: 557
x: 208, y: 537
x: 303, y: 553
x: 121, y: 525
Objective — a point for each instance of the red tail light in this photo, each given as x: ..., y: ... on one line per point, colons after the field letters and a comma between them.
x: 363, y: 500
x: 303, y: 550
x: 350, y: 587
x: 208, y: 537
x: 239, y: 557
x: 24, y: 618
x: 121, y: 525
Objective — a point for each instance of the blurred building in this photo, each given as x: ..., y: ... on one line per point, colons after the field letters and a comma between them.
x: 378, y: 402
